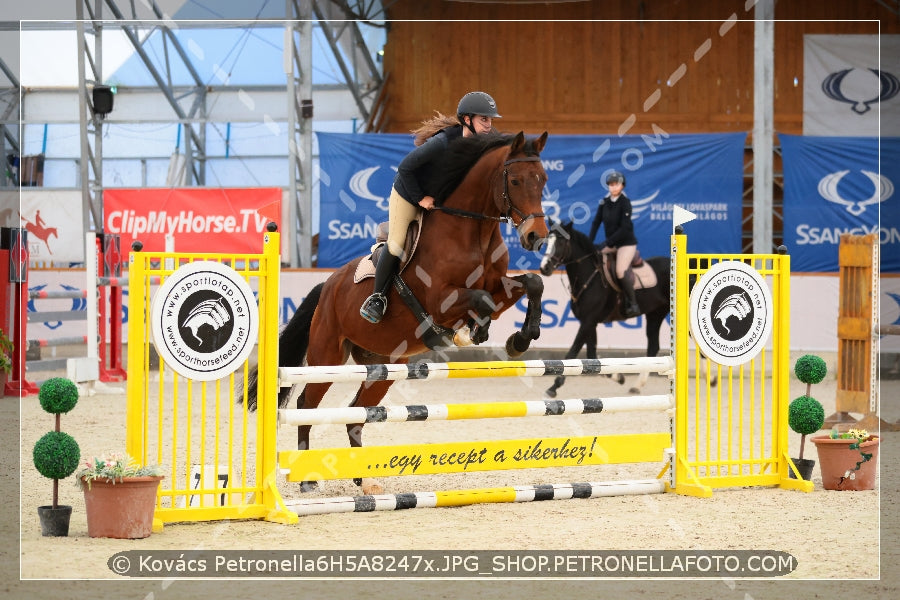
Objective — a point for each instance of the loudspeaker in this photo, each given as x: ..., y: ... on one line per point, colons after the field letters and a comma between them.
x: 306, y: 108
x: 103, y: 100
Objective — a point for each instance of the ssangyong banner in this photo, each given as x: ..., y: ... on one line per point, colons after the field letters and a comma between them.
x: 701, y: 173
x: 198, y: 219
x: 837, y: 185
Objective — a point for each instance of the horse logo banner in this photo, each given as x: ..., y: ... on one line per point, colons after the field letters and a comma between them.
x: 700, y: 173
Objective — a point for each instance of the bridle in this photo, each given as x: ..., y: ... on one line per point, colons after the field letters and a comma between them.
x: 508, y: 206
x: 560, y: 261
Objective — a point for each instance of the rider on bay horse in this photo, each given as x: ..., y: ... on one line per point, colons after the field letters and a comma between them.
x: 614, y: 212
x: 412, y: 189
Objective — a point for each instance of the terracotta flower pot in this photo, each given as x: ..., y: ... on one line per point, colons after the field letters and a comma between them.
x: 836, y: 459
x: 121, y: 509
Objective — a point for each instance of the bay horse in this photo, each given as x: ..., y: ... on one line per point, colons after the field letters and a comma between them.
x: 457, y: 273
x: 594, y: 300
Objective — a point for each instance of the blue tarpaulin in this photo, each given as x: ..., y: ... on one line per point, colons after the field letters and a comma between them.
x: 837, y: 185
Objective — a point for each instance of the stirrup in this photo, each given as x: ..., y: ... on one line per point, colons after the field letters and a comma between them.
x: 374, y: 307
x: 631, y: 309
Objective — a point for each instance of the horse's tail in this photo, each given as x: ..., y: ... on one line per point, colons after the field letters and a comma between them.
x: 292, y: 344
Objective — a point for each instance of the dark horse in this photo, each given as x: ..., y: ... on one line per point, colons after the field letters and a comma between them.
x: 457, y: 273
x: 594, y: 301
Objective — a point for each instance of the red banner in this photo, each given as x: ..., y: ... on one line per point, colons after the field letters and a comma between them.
x: 199, y: 219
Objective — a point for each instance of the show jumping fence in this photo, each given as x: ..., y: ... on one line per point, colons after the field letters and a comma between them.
x: 99, y: 305
x: 857, y: 329
x: 223, y: 461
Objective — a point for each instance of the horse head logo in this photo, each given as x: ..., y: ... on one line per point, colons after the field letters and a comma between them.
x: 884, y: 189
x: 736, y: 305
x: 209, y: 312
x: 890, y: 87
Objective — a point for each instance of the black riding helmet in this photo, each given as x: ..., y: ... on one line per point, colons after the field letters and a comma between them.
x: 476, y: 103
x: 615, y: 177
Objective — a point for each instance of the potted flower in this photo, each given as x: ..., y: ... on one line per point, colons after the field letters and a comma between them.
x: 806, y: 414
x: 119, y: 496
x: 848, y: 460
x: 56, y: 454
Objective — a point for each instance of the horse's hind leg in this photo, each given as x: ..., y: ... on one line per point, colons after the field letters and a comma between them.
x: 310, y: 397
x: 586, y: 334
x: 369, y: 394
x: 653, y: 325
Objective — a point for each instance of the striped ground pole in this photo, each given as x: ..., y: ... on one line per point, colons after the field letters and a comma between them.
x: 490, y: 410
x: 467, y: 370
x: 525, y: 493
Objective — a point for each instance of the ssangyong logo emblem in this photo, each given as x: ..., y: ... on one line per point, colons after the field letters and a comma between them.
x: 204, y: 320
x: 883, y: 188
x: 731, y: 313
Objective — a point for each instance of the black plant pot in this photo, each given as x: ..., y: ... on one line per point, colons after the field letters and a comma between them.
x: 804, y: 466
x: 55, y: 521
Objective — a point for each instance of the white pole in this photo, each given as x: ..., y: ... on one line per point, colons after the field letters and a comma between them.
x: 91, y: 296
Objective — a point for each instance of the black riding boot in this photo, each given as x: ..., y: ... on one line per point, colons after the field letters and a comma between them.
x: 630, y: 306
x: 374, y: 307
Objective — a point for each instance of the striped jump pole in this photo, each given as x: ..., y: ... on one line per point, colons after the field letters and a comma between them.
x: 469, y: 370
x: 525, y: 493
x: 74, y: 340
x: 449, y: 412
x: 56, y: 294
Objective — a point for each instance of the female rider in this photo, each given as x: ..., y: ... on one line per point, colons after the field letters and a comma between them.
x: 614, y: 212
x: 411, y: 189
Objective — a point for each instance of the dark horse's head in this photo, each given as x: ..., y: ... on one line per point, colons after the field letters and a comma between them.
x: 512, y: 165
x: 564, y: 244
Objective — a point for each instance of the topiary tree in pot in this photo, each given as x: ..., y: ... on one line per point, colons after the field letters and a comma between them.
x: 56, y: 454
x: 806, y: 414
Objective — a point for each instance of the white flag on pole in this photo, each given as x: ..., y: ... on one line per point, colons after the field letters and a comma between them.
x: 681, y: 216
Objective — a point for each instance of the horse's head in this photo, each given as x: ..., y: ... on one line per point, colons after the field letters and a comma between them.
x: 558, y: 248
x: 519, y: 191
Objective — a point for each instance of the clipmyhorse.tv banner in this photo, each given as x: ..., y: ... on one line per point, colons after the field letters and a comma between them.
x: 837, y: 185
x: 701, y: 173
x: 199, y: 219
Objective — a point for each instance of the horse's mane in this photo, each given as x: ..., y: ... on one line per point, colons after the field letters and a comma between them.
x: 461, y: 156
x: 578, y: 239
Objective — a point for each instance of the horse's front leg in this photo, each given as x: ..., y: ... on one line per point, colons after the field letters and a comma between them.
x: 519, y: 342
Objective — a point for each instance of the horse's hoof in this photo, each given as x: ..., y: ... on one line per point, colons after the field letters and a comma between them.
x: 620, y: 379
x: 371, y: 487
x: 634, y: 390
x: 551, y: 393
x: 309, y: 486
x: 462, y: 337
x: 516, y: 345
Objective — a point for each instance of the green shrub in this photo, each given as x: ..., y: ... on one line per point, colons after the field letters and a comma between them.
x: 806, y: 415
x: 56, y: 455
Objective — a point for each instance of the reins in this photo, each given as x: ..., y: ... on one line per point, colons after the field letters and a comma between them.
x: 584, y: 286
x: 509, y: 207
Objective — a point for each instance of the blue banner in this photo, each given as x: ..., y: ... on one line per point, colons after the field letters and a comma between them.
x: 700, y: 173
x: 837, y: 185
